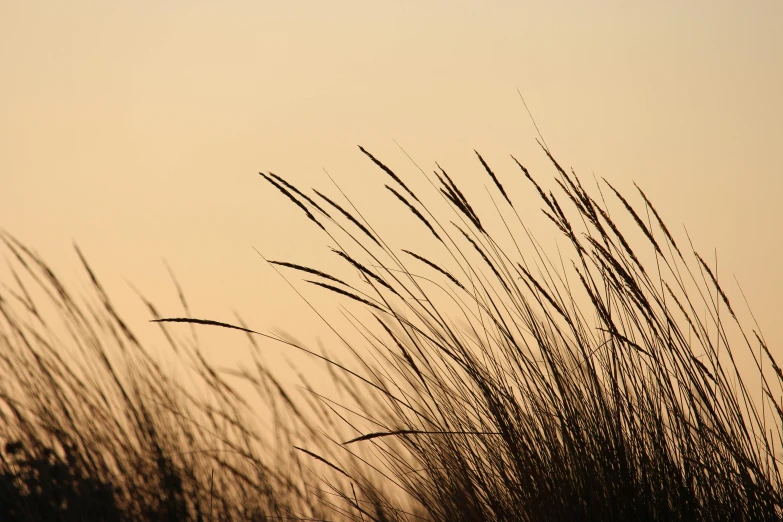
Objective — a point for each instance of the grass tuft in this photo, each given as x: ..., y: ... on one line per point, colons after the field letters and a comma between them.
x: 503, y: 383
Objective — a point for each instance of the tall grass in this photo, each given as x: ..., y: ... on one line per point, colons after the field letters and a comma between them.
x: 94, y: 427
x: 490, y: 379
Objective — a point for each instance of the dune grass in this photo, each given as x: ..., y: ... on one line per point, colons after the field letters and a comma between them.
x: 490, y: 379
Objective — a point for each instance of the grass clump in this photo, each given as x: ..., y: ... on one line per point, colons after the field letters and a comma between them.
x: 490, y: 380
x: 94, y: 427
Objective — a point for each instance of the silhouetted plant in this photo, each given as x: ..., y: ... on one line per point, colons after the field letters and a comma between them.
x: 489, y: 380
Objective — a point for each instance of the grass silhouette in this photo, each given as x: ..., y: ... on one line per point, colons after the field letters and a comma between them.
x: 496, y: 381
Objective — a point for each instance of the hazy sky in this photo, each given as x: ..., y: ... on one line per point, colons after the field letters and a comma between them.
x: 137, y: 129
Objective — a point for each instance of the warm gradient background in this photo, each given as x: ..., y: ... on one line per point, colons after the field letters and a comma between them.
x: 137, y: 128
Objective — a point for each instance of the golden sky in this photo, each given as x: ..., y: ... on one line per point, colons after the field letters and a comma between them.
x: 137, y: 129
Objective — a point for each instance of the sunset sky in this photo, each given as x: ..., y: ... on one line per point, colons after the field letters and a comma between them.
x: 137, y: 129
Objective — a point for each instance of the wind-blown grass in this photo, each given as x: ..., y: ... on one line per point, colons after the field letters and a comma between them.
x: 496, y: 381
x: 94, y: 427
